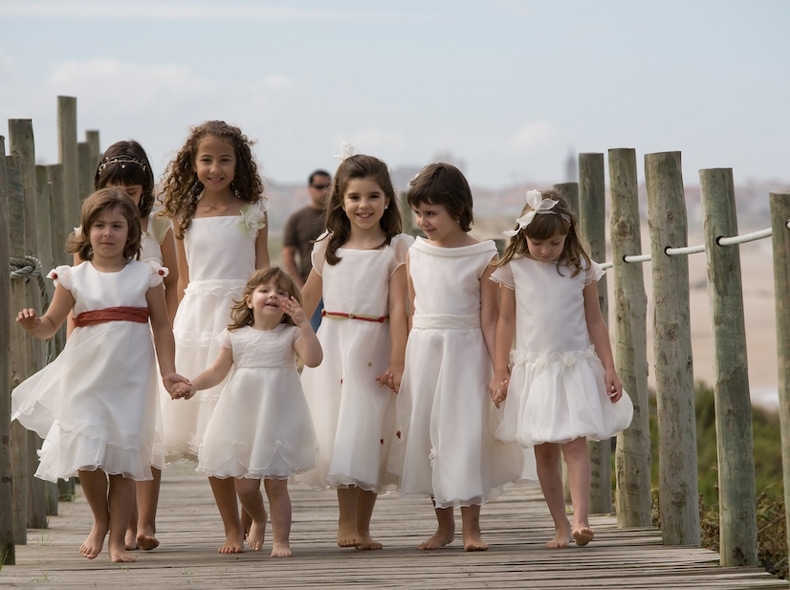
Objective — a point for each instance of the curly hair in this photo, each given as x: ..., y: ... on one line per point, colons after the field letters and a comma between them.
x: 125, y: 163
x: 338, y: 224
x: 181, y: 185
x: 561, y: 221
x: 443, y: 184
x: 241, y: 315
x: 94, y: 206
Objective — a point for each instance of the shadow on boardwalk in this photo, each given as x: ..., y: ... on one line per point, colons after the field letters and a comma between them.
x: 516, y: 527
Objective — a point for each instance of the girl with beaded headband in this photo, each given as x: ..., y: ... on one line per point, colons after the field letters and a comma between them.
x: 358, y: 270
x: 447, y: 451
x: 558, y: 385
x: 261, y: 428
x: 214, y: 196
x: 125, y: 165
x: 95, y: 403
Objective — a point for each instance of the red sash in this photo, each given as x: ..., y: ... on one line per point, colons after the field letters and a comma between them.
x: 112, y: 314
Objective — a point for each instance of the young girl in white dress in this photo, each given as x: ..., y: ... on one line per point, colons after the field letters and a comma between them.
x: 95, y: 404
x: 125, y: 165
x: 261, y: 427
x: 214, y: 195
x: 358, y: 270
x: 444, y: 411
x: 560, y: 387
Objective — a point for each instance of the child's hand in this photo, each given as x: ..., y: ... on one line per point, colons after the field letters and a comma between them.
x: 614, y: 388
x: 499, y: 391
x: 390, y: 378
x: 178, y: 386
x: 28, y: 319
x: 292, y: 308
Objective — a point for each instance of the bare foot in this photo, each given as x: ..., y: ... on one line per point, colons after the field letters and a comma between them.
x: 473, y: 542
x: 147, y: 541
x: 347, y: 536
x: 367, y: 543
x: 281, y: 550
x: 257, y: 535
x: 94, y: 542
x: 561, y: 539
x: 119, y: 554
x: 233, y: 544
x: 583, y: 535
x: 437, y: 541
x: 130, y: 540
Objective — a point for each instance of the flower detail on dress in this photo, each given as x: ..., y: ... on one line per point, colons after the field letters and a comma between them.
x: 541, y: 362
x: 539, y: 205
x: 252, y: 219
x: 569, y: 359
x: 346, y: 151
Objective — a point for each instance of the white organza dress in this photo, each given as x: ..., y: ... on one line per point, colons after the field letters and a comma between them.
x: 444, y: 411
x: 354, y: 415
x: 557, y: 389
x: 95, y: 404
x: 220, y: 252
x: 261, y: 426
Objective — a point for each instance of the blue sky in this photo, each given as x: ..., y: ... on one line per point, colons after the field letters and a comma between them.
x: 507, y: 88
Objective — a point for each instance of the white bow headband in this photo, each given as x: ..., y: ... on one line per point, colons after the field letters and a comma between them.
x: 346, y: 151
x: 539, y: 205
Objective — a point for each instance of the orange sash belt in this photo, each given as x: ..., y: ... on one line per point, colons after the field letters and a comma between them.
x: 112, y: 314
x: 355, y: 316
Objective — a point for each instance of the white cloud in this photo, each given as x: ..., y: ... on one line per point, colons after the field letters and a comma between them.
x: 532, y: 135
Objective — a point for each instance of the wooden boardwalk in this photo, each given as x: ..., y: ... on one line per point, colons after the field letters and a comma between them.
x: 515, y: 526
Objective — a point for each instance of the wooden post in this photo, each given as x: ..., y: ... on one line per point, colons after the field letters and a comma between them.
x: 92, y: 139
x: 780, y: 215
x: 60, y: 227
x: 87, y: 169
x: 570, y: 192
x: 67, y: 148
x: 677, y: 437
x: 22, y: 144
x: 44, y: 249
x: 19, y: 438
x: 592, y: 231
x: 734, y: 445
x: 7, y: 551
x: 632, y: 456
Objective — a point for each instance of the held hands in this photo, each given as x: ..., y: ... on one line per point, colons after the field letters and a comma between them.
x: 390, y: 378
x: 178, y: 387
x: 29, y: 319
x: 497, y: 387
x: 292, y: 308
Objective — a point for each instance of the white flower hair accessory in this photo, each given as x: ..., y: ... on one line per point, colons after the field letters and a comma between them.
x: 346, y: 151
x: 539, y: 206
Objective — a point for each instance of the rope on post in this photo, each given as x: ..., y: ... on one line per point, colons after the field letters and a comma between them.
x: 721, y: 241
x: 28, y: 267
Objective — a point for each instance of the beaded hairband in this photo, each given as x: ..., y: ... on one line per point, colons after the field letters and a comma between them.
x: 123, y: 161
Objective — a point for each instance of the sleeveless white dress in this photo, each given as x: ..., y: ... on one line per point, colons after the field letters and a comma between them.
x: 261, y: 426
x: 220, y: 252
x: 557, y: 389
x: 354, y: 415
x: 95, y: 404
x: 445, y: 414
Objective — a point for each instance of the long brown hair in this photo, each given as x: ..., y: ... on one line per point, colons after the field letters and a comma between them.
x: 181, y: 184
x: 561, y: 221
x: 359, y: 166
x: 125, y: 163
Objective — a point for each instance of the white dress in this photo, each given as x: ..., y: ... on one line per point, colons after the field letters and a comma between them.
x: 557, y: 389
x: 261, y: 426
x: 353, y: 414
x: 445, y: 414
x: 95, y: 404
x: 220, y: 252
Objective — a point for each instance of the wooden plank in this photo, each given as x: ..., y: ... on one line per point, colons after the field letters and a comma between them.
x: 516, y: 526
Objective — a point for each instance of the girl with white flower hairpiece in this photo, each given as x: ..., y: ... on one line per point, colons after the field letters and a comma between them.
x: 214, y: 196
x: 558, y: 385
